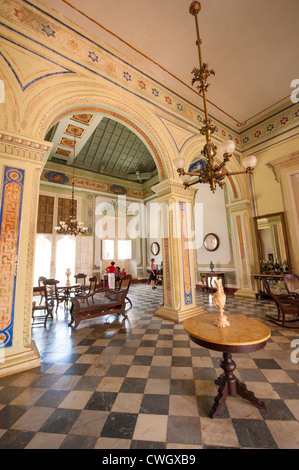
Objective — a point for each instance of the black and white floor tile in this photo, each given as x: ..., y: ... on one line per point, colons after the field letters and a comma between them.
x: 140, y: 383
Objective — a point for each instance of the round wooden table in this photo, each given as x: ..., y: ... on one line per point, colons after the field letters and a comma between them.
x: 244, y: 335
x: 67, y: 289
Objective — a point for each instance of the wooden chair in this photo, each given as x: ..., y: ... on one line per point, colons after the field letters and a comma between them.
x: 80, y: 278
x: 88, y: 292
x: 51, y: 286
x: 124, y: 286
x: 287, y: 308
x: 291, y: 282
x: 46, y: 305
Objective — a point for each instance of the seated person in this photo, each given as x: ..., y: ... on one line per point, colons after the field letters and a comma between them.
x: 123, y: 272
x: 117, y: 274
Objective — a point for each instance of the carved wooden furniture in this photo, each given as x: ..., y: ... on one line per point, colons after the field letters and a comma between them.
x: 51, y: 286
x: 291, y: 282
x: 87, y: 293
x: 124, y: 285
x: 65, y: 292
x: 44, y: 307
x: 287, y: 308
x: 260, y: 285
x: 244, y: 335
x: 103, y: 280
x: 81, y: 279
x: 207, y: 280
x: 105, y: 302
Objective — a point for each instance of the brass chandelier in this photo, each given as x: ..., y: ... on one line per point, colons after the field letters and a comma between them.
x: 212, y: 172
x: 71, y: 226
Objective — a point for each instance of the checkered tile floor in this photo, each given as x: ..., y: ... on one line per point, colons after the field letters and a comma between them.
x: 141, y: 383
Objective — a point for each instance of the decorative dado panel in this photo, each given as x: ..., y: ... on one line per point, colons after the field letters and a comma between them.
x: 10, y: 218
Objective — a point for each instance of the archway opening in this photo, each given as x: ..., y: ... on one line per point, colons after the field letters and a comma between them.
x: 108, y: 157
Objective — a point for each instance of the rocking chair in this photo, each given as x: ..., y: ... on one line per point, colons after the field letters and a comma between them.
x: 287, y: 308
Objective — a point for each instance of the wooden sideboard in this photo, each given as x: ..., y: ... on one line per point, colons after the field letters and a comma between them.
x: 207, y: 280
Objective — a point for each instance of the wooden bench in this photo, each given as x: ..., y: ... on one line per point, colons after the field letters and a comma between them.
x: 101, y: 302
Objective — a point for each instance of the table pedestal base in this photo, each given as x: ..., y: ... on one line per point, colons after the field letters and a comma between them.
x: 229, y: 385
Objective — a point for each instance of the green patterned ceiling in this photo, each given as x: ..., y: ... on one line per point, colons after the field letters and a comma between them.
x: 103, y: 146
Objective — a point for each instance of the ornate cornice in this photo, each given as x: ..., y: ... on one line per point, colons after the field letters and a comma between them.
x: 173, y: 188
x: 287, y: 161
x: 239, y: 206
x: 21, y: 147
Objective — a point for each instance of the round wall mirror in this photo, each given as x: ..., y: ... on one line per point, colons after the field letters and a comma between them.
x: 155, y: 248
x: 211, y: 242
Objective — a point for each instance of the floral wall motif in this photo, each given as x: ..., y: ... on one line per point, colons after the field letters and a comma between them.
x: 185, y: 254
x: 10, y: 218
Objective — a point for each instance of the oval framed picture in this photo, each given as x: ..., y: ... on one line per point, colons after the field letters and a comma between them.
x: 211, y: 242
x: 155, y: 248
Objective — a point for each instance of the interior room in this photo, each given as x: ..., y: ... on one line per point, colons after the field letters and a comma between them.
x: 149, y: 170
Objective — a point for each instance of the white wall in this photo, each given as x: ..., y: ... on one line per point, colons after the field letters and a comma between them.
x: 214, y: 220
x: 120, y: 227
x: 153, y: 231
x: 84, y: 256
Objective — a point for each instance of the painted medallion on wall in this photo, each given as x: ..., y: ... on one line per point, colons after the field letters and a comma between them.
x: 116, y: 189
x: 197, y: 166
x: 56, y: 177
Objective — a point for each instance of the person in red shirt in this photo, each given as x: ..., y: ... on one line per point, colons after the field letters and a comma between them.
x: 123, y: 272
x: 111, y: 268
x: 111, y: 276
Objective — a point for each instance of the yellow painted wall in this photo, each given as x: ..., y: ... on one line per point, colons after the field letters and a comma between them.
x: 268, y: 195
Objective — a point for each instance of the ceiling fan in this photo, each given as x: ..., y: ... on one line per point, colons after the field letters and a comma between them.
x: 138, y: 176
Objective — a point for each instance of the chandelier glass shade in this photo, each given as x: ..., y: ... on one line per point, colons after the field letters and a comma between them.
x: 71, y: 226
x: 211, y: 172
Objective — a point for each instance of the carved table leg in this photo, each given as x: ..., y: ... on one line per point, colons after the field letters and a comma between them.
x: 245, y: 393
x: 229, y: 385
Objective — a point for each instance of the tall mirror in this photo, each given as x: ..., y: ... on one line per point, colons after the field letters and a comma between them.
x: 272, y: 243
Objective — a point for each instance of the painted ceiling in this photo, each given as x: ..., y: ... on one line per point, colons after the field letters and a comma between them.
x: 250, y: 44
x: 102, y: 145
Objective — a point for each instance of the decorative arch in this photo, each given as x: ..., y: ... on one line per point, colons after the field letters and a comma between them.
x: 126, y: 122
x: 45, y: 109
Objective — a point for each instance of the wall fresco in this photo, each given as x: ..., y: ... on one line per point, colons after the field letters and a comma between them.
x: 10, y: 217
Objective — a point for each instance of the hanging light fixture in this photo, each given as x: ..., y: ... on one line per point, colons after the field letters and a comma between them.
x: 211, y: 172
x: 71, y: 226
